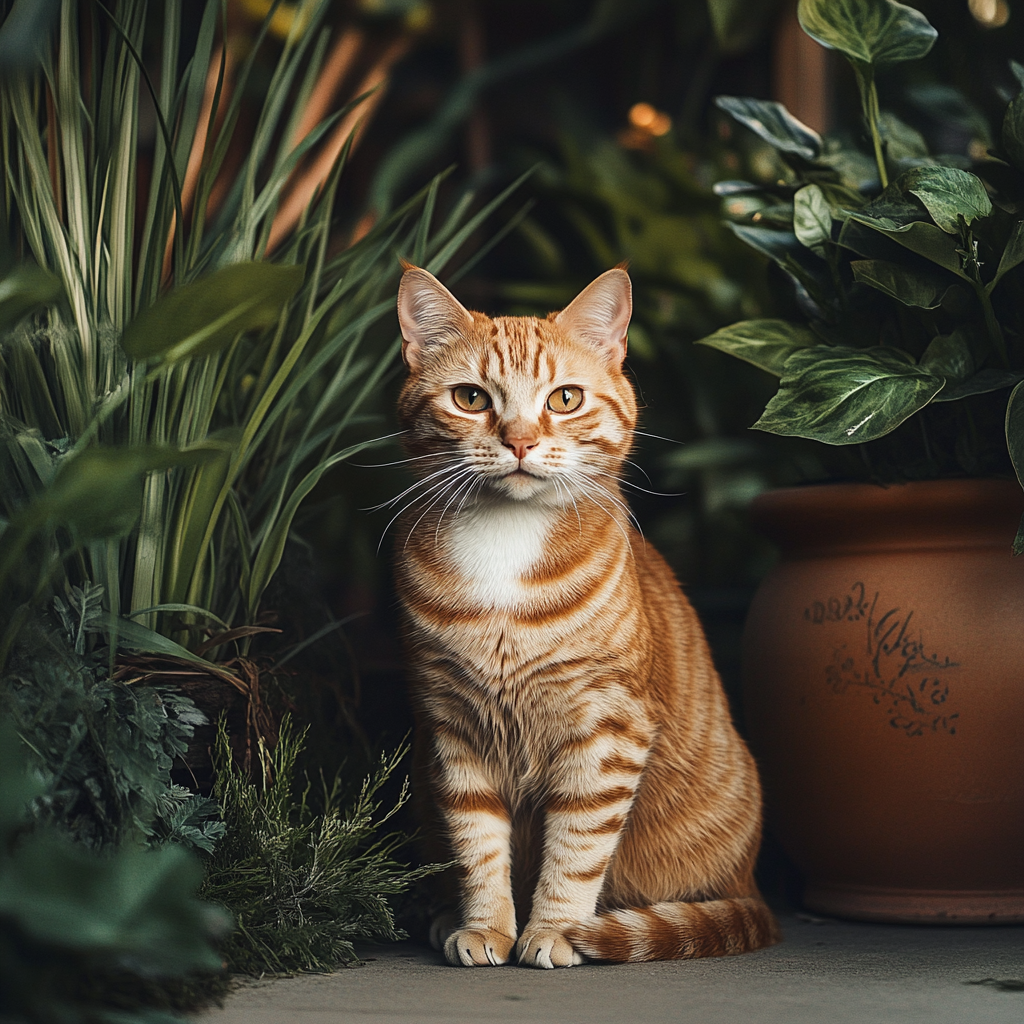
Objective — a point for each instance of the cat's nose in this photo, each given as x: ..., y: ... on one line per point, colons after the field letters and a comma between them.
x: 519, y: 446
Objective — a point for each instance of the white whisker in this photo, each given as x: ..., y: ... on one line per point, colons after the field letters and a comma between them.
x: 399, y: 462
x: 437, y: 488
x: 578, y: 481
x: 467, y: 485
x: 458, y: 479
x: 561, y: 486
x: 658, y: 437
x: 423, y: 481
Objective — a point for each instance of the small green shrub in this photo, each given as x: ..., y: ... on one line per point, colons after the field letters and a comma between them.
x: 303, y: 883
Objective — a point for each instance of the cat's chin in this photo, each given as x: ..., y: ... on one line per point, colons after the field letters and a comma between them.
x: 523, y: 486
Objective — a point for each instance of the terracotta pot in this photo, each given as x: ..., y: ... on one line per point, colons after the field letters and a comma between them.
x: 884, y: 691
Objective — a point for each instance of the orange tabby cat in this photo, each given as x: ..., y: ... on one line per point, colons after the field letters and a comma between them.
x: 574, y: 744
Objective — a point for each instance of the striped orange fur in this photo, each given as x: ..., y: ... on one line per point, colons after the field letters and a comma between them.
x: 574, y: 750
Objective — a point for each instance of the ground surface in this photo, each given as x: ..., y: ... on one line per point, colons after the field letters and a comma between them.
x: 825, y: 972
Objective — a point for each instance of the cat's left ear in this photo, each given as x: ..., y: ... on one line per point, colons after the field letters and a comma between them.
x: 600, y: 314
x: 428, y: 314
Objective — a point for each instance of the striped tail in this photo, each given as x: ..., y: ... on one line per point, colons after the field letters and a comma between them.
x: 677, y: 931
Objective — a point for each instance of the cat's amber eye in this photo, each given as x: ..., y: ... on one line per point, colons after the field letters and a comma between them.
x: 471, y: 399
x: 565, y: 399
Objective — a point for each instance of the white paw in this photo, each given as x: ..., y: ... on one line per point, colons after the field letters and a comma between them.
x: 547, y: 948
x: 477, y: 947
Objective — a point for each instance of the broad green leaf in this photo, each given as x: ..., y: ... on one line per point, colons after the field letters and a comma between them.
x: 869, y: 32
x: 812, y: 219
x: 892, y: 209
x: 1015, y: 430
x: 98, y: 493
x: 776, y: 245
x: 901, y: 141
x: 983, y: 382
x: 189, y: 609
x: 1013, y: 131
x: 907, y: 286
x: 137, y: 637
x: 857, y: 171
x: 773, y: 123
x: 203, y: 316
x: 25, y: 288
x: 24, y: 34
x: 925, y: 239
x: 133, y: 908
x: 949, y: 356
x: 948, y: 193
x: 1013, y: 255
x: 1015, y: 446
x: 766, y: 344
x: 847, y: 395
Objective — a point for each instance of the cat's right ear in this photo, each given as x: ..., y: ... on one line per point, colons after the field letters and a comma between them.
x: 428, y: 313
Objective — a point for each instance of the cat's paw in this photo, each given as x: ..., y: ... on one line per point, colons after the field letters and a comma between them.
x: 547, y: 948
x: 478, y: 947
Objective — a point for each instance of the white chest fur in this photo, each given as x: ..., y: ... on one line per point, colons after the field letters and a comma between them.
x: 494, y: 546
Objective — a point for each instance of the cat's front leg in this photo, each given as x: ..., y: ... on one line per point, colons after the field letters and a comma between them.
x: 479, y: 827
x: 594, y: 782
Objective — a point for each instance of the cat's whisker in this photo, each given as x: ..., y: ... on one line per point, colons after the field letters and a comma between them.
x: 658, y: 437
x: 626, y: 462
x: 615, y: 499
x: 423, y: 481
x: 400, y: 462
x: 577, y: 480
x: 636, y: 487
x: 561, y: 486
x: 467, y: 486
x: 476, y: 483
x: 429, y: 493
x: 455, y: 482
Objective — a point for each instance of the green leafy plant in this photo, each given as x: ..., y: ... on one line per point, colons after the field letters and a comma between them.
x: 102, y: 750
x: 77, y: 929
x: 904, y: 265
x: 162, y: 420
x: 303, y: 875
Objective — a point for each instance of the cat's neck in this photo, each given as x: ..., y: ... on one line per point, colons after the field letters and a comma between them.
x: 498, y: 539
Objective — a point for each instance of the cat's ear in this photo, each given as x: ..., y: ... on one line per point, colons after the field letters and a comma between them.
x: 600, y: 314
x: 428, y: 313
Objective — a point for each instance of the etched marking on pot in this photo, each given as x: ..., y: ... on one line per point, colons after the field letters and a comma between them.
x: 899, y: 674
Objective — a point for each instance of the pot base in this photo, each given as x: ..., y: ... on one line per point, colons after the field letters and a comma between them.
x: 915, y: 906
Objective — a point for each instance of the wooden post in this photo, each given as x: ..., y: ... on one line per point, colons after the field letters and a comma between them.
x: 801, y: 73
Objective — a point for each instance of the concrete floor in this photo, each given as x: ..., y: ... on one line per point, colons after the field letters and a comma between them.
x: 825, y: 972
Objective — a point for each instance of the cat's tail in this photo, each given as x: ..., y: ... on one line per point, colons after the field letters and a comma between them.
x: 677, y: 931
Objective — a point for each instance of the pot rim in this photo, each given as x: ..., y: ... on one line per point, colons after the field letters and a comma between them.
x: 919, y: 514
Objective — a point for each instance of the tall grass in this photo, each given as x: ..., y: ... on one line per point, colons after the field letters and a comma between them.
x: 180, y: 388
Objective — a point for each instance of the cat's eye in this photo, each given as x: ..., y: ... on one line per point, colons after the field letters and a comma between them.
x: 471, y: 399
x: 565, y: 399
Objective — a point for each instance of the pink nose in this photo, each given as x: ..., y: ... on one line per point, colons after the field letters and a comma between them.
x: 519, y: 446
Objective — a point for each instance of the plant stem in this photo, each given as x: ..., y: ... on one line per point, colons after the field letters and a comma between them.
x: 869, y: 104
x: 995, y: 332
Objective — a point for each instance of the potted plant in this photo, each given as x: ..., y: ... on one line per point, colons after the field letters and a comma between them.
x: 883, y: 655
